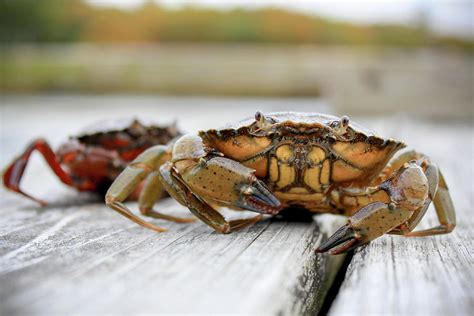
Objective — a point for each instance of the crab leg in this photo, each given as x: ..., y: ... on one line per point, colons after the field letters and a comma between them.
x: 444, y: 210
x: 438, y: 194
x: 14, y: 172
x: 152, y: 191
x: 398, y: 162
x: 130, y: 178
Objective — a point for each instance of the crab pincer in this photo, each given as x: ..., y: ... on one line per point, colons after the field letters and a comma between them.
x: 216, y: 181
x: 255, y: 196
x: 411, y: 189
x: 369, y: 223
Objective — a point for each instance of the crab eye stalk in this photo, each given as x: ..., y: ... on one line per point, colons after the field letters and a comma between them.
x: 259, y: 116
x: 344, y: 121
x: 341, y: 126
x: 263, y: 123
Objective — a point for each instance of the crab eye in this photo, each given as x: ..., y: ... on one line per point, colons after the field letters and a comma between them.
x: 344, y: 121
x: 258, y: 116
x: 334, y: 124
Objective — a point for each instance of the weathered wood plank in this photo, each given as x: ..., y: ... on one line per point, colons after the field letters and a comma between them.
x: 89, y: 260
x: 78, y: 257
x: 421, y: 276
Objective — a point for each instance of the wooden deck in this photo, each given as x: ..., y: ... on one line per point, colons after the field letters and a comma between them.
x: 78, y: 257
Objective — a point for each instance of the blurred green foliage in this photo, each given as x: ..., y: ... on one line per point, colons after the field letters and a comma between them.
x: 75, y: 20
x: 40, y: 21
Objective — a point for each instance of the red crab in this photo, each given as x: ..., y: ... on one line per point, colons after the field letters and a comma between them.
x: 92, y: 160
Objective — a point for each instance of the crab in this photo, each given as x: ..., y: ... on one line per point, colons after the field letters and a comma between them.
x: 92, y: 160
x: 286, y: 161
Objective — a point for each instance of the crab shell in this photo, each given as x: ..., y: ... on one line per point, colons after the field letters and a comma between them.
x: 103, y: 149
x: 129, y: 137
x: 302, y: 157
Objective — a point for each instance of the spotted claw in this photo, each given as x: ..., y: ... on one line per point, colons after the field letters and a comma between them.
x: 226, y: 182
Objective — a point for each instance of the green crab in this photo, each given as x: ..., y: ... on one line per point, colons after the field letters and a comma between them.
x: 319, y: 163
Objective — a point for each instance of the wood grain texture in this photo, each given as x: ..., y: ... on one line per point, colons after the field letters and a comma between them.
x: 78, y: 257
x: 396, y: 275
x: 87, y: 259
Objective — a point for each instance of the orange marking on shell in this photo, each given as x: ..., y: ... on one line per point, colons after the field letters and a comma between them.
x: 342, y: 172
x: 298, y: 190
x: 274, y: 172
x: 362, y: 154
x: 241, y: 147
x: 313, y: 198
x: 260, y: 167
x: 311, y: 178
x: 325, y: 172
x: 316, y: 155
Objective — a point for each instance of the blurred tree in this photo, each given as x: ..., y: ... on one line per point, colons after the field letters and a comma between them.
x: 71, y: 20
x: 41, y: 21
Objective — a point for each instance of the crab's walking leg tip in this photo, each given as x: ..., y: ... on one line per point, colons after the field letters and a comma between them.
x: 39, y: 201
x: 344, y: 235
x: 158, y: 229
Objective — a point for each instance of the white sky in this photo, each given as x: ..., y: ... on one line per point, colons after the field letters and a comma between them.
x: 443, y: 16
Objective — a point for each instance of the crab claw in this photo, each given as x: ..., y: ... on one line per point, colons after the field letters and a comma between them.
x: 229, y: 183
x: 345, y: 236
x: 258, y: 198
x: 368, y: 223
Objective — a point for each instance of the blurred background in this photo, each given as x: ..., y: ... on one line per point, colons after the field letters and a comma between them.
x: 364, y: 57
x: 177, y: 59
